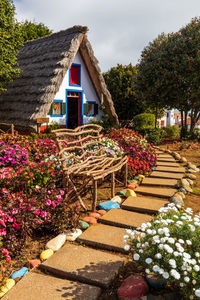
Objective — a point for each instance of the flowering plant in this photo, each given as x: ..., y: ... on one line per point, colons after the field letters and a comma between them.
x: 4, y: 261
x: 141, y: 155
x: 168, y: 247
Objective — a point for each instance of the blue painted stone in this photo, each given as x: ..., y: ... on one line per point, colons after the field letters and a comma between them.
x: 153, y: 169
x: 19, y: 273
x: 108, y: 205
x: 155, y: 282
x: 182, y: 190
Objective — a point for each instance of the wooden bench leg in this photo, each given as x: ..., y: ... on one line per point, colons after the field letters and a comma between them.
x: 94, y: 195
x: 113, y: 184
x: 125, y: 174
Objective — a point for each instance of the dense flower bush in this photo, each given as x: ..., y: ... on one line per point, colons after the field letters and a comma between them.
x: 169, y: 247
x: 4, y: 261
x: 141, y: 155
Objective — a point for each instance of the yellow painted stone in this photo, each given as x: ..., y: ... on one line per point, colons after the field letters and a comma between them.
x: 46, y: 254
x: 130, y: 193
x: 8, y: 285
x: 141, y: 176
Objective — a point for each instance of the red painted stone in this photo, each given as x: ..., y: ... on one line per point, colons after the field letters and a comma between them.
x: 95, y: 215
x: 132, y: 186
x: 34, y: 262
x: 90, y: 220
x: 102, y: 212
x: 133, y: 287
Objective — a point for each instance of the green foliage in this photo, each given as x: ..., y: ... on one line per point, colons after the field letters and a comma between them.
x: 119, y: 81
x: 10, y: 43
x: 32, y: 30
x: 105, y: 122
x: 144, y: 121
x: 154, y: 135
x: 53, y: 126
x: 171, y: 132
x: 196, y: 134
x: 178, y: 54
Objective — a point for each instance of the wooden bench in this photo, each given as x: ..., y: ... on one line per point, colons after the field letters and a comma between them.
x: 82, y: 157
x: 7, y: 128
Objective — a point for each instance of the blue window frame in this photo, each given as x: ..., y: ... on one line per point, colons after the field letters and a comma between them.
x: 57, y: 108
x: 91, y: 108
x: 75, y: 75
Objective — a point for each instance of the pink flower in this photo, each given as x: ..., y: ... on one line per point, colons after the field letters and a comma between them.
x: 15, y: 211
x: 5, y: 251
x: 62, y: 192
x: 37, y: 212
x: 53, y: 204
x: 48, y: 202
x: 39, y: 222
x: 43, y: 214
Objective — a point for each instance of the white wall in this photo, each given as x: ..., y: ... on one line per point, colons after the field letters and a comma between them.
x: 89, y: 93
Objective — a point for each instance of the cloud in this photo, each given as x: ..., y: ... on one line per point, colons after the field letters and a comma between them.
x: 118, y: 29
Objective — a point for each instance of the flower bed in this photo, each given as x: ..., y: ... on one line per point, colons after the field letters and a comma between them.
x: 169, y: 247
x: 141, y: 154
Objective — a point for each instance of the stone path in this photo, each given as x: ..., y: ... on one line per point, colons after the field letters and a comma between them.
x: 81, y: 269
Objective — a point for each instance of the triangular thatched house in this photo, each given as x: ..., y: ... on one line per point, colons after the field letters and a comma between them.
x: 60, y: 80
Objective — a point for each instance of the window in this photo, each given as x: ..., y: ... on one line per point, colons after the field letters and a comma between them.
x: 75, y: 75
x: 57, y: 108
x: 90, y: 108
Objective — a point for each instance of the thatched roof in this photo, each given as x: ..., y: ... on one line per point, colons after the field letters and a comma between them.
x: 44, y: 63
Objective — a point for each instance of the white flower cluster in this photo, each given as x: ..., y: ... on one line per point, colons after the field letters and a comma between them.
x: 168, y: 247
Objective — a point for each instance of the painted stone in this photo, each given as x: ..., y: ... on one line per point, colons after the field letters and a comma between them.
x: 191, y: 166
x: 184, y: 182
x: 117, y: 199
x: 141, y: 176
x: 45, y: 254
x: 132, y: 186
x: 183, y: 160
x: 90, y: 220
x: 177, y: 200
x: 191, y: 182
x: 95, y: 215
x: 191, y: 176
x: 34, y: 263
x: 130, y: 193
x: 23, y: 271
x: 133, y: 287
x: 102, y: 212
x: 56, y: 243
x: 153, y: 169
x: 136, y: 177
x: 8, y: 285
x: 182, y: 190
x: 191, y: 171
x: 155, y: 282
x: 71, y: 235
x: 108, y: 205
x: 84, y: 225
x: 122, y: 193
x: 181, y: 194
x: 187, y: 188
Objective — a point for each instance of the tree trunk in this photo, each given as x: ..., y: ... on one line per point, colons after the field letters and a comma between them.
x: 195, y: 115
x: 183, y: 131
x: 156, y: 116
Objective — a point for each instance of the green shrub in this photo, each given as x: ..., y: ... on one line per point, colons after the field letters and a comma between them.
x: 196, y: 134
x: 172, y: 132
x: 144, y: 121
x: 154, y: 135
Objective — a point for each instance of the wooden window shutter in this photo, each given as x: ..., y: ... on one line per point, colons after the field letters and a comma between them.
x: 95, y: 109
x: 85, y: 105
x: 63, y: 108
x: 50, y: 110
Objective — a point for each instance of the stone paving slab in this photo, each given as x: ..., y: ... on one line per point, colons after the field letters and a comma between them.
x: 164, y: 155
x: 168, y: 164
x: 36, y: 286
x: 124, y: 218
x: 159, y: 182
x: 170, y: 169
x: 171, y: 160
x: 155, y: 191
x: 84, y: 264
x: 104, y: 237
x: 168, y: 175
x: 144, y: 204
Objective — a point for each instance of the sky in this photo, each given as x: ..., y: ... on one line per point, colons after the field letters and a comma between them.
x: 118, y: 29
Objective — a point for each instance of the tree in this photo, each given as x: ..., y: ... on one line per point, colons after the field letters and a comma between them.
x: 32, y: 30
x: 10, y: 43
x: 119, y: 81
x: 168, y: 72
